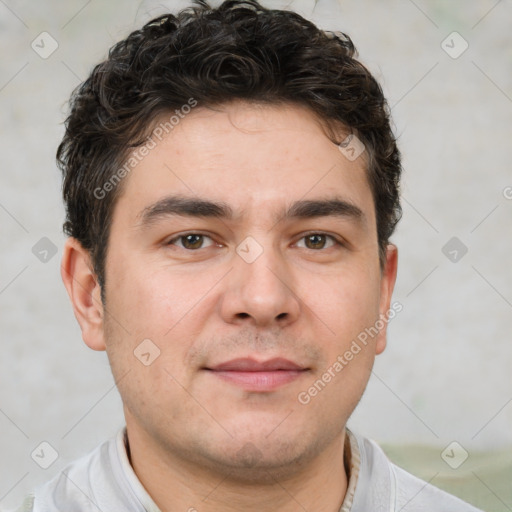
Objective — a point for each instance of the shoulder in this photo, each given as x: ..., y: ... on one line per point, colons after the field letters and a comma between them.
x: 102, y: 480
x: 75, y: 486
x: 416, y: 495
x: 385, y: 486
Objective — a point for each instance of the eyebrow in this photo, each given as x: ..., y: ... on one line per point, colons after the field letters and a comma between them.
x: 196, y: 207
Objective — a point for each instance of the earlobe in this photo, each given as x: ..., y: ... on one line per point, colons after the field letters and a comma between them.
x: 387, y: 285
x: 84, y: 292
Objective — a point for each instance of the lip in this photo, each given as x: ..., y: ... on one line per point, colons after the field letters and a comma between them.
x: 253, y: 375
x: 248, y: 364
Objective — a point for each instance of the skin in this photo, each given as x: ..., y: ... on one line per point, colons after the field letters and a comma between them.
x: 197, y: 440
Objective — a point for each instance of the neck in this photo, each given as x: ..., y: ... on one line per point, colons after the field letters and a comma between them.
x: 175, y: 483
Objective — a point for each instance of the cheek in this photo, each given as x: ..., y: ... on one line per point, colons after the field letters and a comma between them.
x: 345, y: 304
x: 150, y: 300
x: 168, y: 307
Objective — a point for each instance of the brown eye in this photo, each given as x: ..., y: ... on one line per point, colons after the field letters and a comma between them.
x: 317, y: 241
x: 191, y: 241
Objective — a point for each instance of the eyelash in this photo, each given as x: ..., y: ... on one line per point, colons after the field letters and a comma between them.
x: 332, y: 238
x: 179, y: 237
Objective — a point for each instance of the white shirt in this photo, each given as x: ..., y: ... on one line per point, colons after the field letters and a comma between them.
x: 104, y: 481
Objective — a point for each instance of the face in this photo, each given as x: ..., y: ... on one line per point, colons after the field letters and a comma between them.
x: 243, y: 250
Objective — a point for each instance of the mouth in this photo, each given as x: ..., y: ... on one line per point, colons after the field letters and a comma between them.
x: 258, y: 376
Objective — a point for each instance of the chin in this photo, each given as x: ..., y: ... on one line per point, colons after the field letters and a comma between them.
x: 258, y: 458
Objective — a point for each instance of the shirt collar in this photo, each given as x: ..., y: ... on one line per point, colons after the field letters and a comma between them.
x: 352, y: 459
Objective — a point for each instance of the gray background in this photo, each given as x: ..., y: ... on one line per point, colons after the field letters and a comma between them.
x: 446, y: 374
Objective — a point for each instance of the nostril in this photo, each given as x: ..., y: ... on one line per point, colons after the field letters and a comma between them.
x: 281, y: 316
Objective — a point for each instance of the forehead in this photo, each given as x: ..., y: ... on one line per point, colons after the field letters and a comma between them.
x: 253, y: 157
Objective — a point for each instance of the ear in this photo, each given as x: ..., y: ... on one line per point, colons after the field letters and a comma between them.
x: 387, y: 284
x: 84, y: 291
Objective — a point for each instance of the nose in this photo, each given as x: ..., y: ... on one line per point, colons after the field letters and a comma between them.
x: 260, y: 292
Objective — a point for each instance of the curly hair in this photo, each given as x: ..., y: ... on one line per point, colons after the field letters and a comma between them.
x: 239, y: 50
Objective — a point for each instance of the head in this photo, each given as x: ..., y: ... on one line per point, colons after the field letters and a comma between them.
x: 218, y: 208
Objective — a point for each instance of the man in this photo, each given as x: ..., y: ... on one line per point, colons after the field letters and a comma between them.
x: 231, y: 185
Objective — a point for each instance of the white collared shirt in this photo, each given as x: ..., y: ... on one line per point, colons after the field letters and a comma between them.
x: 104, y: 481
